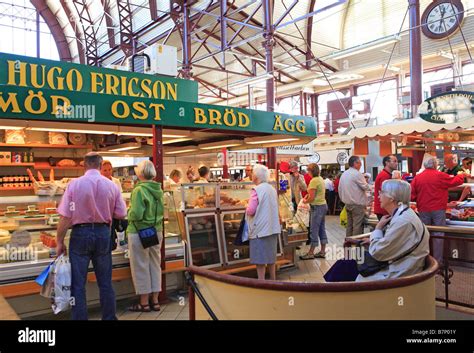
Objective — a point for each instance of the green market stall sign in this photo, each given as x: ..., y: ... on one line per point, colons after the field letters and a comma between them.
x: 27, y: 103
x: 23, y: 71
x: 446, y: 108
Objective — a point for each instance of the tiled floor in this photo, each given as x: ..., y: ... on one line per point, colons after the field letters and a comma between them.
x: 176, y: 309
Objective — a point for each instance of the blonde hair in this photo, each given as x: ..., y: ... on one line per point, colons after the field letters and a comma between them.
x: 106, y: 162
x: 175, y: 172
x: 146, y: 169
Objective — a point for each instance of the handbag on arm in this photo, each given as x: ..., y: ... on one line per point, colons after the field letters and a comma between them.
x: 148, y: 236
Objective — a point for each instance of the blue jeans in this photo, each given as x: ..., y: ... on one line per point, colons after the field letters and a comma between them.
x: 318, y: 225
x: 86, y: 244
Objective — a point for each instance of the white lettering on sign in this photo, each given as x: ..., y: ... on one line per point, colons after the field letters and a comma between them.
x: 37, y: 336
x: 447, y: 108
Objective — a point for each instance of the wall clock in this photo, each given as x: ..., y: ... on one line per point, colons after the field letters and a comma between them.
x: 442, y: 18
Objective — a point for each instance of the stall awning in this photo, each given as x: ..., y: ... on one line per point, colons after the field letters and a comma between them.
x: 409, y: 126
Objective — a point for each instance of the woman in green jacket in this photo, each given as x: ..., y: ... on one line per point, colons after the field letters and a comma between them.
x: 146, y: 210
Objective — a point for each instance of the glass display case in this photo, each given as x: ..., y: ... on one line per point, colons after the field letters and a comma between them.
x: 27, y: 228
x: 173, y: 217
x: 199, y: 197
x: 203, y: 238
x: 234, y: 195
x: 230, y: 226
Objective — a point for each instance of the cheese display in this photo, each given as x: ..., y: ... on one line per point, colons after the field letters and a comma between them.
x: 57, y: 138
x: 16, y: 137
x: 20, y: 238
x: 4, y: 237
x: 8, y: 225
x: 77, y: 139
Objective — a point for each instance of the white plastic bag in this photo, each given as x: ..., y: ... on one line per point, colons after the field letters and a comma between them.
x: 303, y: 213
x: 61, y: 296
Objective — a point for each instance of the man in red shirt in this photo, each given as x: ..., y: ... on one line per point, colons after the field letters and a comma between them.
x: 430, y: 191
x: 390, y: 163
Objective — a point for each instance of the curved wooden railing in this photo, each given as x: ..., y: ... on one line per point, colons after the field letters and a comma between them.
x: 414, y: 288
x: 431, y: 267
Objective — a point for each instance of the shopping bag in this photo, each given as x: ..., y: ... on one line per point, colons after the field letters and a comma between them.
x: 342, y: 271
x: 47, y: 288
x: 62, y: 284
x: 303, y: 212
x: 41, y: 279
x: 343, y: 217
x: 242, y: 237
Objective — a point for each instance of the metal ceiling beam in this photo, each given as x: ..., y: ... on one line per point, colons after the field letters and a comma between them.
x: 109, y: 22
x: 180, y: 15
x: 90, y: 35
x: 309, y: 35
x: 55, y: 28
x: 208, y: 84
x: 126, y: 28
x: 310, y: 14
x: 284, y: 40
x: 226, y: 71
x: 77, y: 32
x: 153, y: 10
x: 147, y: 29
x: 288, y: 10
x: 246, y: 20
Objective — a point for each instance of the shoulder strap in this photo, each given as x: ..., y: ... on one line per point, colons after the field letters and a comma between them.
x: 156, y: 216
x: 411, y: 249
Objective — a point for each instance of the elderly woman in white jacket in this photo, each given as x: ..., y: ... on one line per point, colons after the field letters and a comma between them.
x: 263, y: 223
x: 399, y: 233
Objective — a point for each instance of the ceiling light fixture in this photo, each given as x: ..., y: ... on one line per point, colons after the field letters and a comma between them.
x: 183, y: 139
x: 6, y: 124
x: 73, y: 128
x: 181, y: 150
x: 220, y: 144
x: 250, y: 81
x: 269, y: 139
x: 123, y: 147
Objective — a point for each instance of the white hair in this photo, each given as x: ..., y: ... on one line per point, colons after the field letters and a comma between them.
x: 146, y: 169
x: 261, y: 173
x: 430, y: 163
x: 398, y: 190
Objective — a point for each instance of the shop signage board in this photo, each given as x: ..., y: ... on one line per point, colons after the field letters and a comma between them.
x: 24, y: 71
x: 297, y: 150
x: 446, y: 108
x: 27, y: 103
x: 34, y: 89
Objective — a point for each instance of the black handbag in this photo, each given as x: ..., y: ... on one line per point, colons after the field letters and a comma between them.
x: 371, y: 266
x: 118, y: 225
x: 148, y: 236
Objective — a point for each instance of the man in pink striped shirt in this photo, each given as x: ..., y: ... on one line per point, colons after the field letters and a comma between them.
x: 88, y: 206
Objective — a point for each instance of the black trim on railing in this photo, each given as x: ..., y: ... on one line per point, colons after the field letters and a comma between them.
x: 190, y: 280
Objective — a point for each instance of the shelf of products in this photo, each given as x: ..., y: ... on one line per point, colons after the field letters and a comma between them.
x: 16, y: 188
x: 33, y: 145
x: 18, y: 165
x: 45, y: 167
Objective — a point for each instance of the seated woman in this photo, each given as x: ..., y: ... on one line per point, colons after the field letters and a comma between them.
x: 397, y: 234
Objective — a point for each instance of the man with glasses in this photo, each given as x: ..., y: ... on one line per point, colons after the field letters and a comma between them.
x: 390, y: 164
